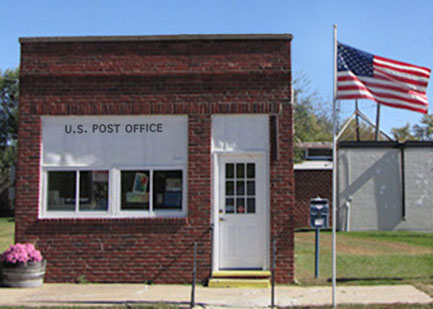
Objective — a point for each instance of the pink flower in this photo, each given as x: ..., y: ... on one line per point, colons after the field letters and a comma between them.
x: 21, y: 253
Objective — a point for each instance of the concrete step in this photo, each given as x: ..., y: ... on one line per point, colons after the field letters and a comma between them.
x: 240, y: 279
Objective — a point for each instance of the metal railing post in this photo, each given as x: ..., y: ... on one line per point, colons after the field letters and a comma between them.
x: 273, y: 274
x: 317, y: 254
x: 194, y: 271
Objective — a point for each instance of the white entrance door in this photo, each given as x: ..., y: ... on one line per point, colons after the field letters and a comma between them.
x: 241, y: 213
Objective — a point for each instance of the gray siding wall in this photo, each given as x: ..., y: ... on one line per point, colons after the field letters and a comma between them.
x: 370, y: 181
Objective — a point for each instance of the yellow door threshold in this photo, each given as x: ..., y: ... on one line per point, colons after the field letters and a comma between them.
x: 239, y: 283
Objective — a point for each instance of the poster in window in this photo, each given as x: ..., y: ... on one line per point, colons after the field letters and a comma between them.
x: 100, y: 176
x: 173, y: 199
x: 141, y: 181
x: 173, y: 184
x: 137, y: 197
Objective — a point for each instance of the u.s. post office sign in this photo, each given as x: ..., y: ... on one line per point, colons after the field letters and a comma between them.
x: 106, y: 140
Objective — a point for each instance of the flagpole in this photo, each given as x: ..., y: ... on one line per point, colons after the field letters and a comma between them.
x: 357, y: 121
x: 334, y: 176
x: 377, y: 122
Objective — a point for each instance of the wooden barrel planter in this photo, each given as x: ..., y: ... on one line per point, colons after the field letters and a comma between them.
x: 25, y: 275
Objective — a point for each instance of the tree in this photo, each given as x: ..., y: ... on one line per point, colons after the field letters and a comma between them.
x: 312, y: 123
x: 424, y: 131
x: 418, y: 132
x: 8, y: 107
x: 8, y: 125
x: 311, y: 120
x: 403, y: 134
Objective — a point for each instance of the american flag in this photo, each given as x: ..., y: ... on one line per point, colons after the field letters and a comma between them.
x: 362, y: 75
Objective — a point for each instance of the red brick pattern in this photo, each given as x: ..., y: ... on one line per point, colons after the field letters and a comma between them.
x: 311, y: 184
x: 282, y: 199
x: 198, y: 78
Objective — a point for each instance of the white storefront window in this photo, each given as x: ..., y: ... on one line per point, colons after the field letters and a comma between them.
x: 114, y: 166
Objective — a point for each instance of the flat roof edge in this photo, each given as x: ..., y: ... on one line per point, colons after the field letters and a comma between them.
x: 385, y: 144
x: 181, y: 37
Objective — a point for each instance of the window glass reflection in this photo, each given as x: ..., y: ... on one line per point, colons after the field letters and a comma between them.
x: 94, y: 190
x: 61, y: 190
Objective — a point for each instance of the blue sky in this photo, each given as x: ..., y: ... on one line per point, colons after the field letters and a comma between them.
x: 397, y: 29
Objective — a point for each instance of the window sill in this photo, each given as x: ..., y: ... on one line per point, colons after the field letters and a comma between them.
x: 116, y: 220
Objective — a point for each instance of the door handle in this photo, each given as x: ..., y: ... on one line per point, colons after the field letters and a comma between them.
x: 222, y: 219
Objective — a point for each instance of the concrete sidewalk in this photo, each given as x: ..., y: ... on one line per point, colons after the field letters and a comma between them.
x: 120, y: 294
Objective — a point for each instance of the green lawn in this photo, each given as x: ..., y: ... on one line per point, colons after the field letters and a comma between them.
x: 7, y: 226
x: 367, y: 258
x: 411, y: 238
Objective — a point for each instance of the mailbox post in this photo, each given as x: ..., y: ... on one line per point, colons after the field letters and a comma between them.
x: 319, y: 215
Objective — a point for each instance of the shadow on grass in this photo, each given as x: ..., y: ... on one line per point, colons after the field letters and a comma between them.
x: 311, y: 230
x: 368, y: 279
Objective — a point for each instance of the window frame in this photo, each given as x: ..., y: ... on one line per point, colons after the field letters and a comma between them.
x: 45, y: 213
x: 114, y: 210
x: 151, y: 212
x: 310, y: 155
x: 235, y: 179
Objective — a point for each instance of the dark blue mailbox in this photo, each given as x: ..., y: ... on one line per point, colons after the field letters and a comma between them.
x: 319, y: 212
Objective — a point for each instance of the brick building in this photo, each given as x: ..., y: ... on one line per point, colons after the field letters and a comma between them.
x: 133, y: 148
x: 313, y: 178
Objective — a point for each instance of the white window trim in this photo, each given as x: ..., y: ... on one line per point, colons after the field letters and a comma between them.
x: 114, y: 194
x: 151, y: 213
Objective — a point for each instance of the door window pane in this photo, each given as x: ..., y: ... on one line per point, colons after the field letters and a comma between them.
x: 135, y: 190
x: 251, y: 171
x: 251, y: 187
x: 251, y: 205
x: 240, y: 170
x: 94, y: 190
x: 240, y: 188
x: 230, y: 170
x: 230, y: 205
x: 240, y: 205
x: 230, y: 188
x: 167, y: 190
x: 61, y: 191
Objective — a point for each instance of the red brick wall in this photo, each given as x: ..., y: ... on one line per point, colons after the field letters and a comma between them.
x: 141, y: 76
x: 283, y: 199
x: 311, y: 184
